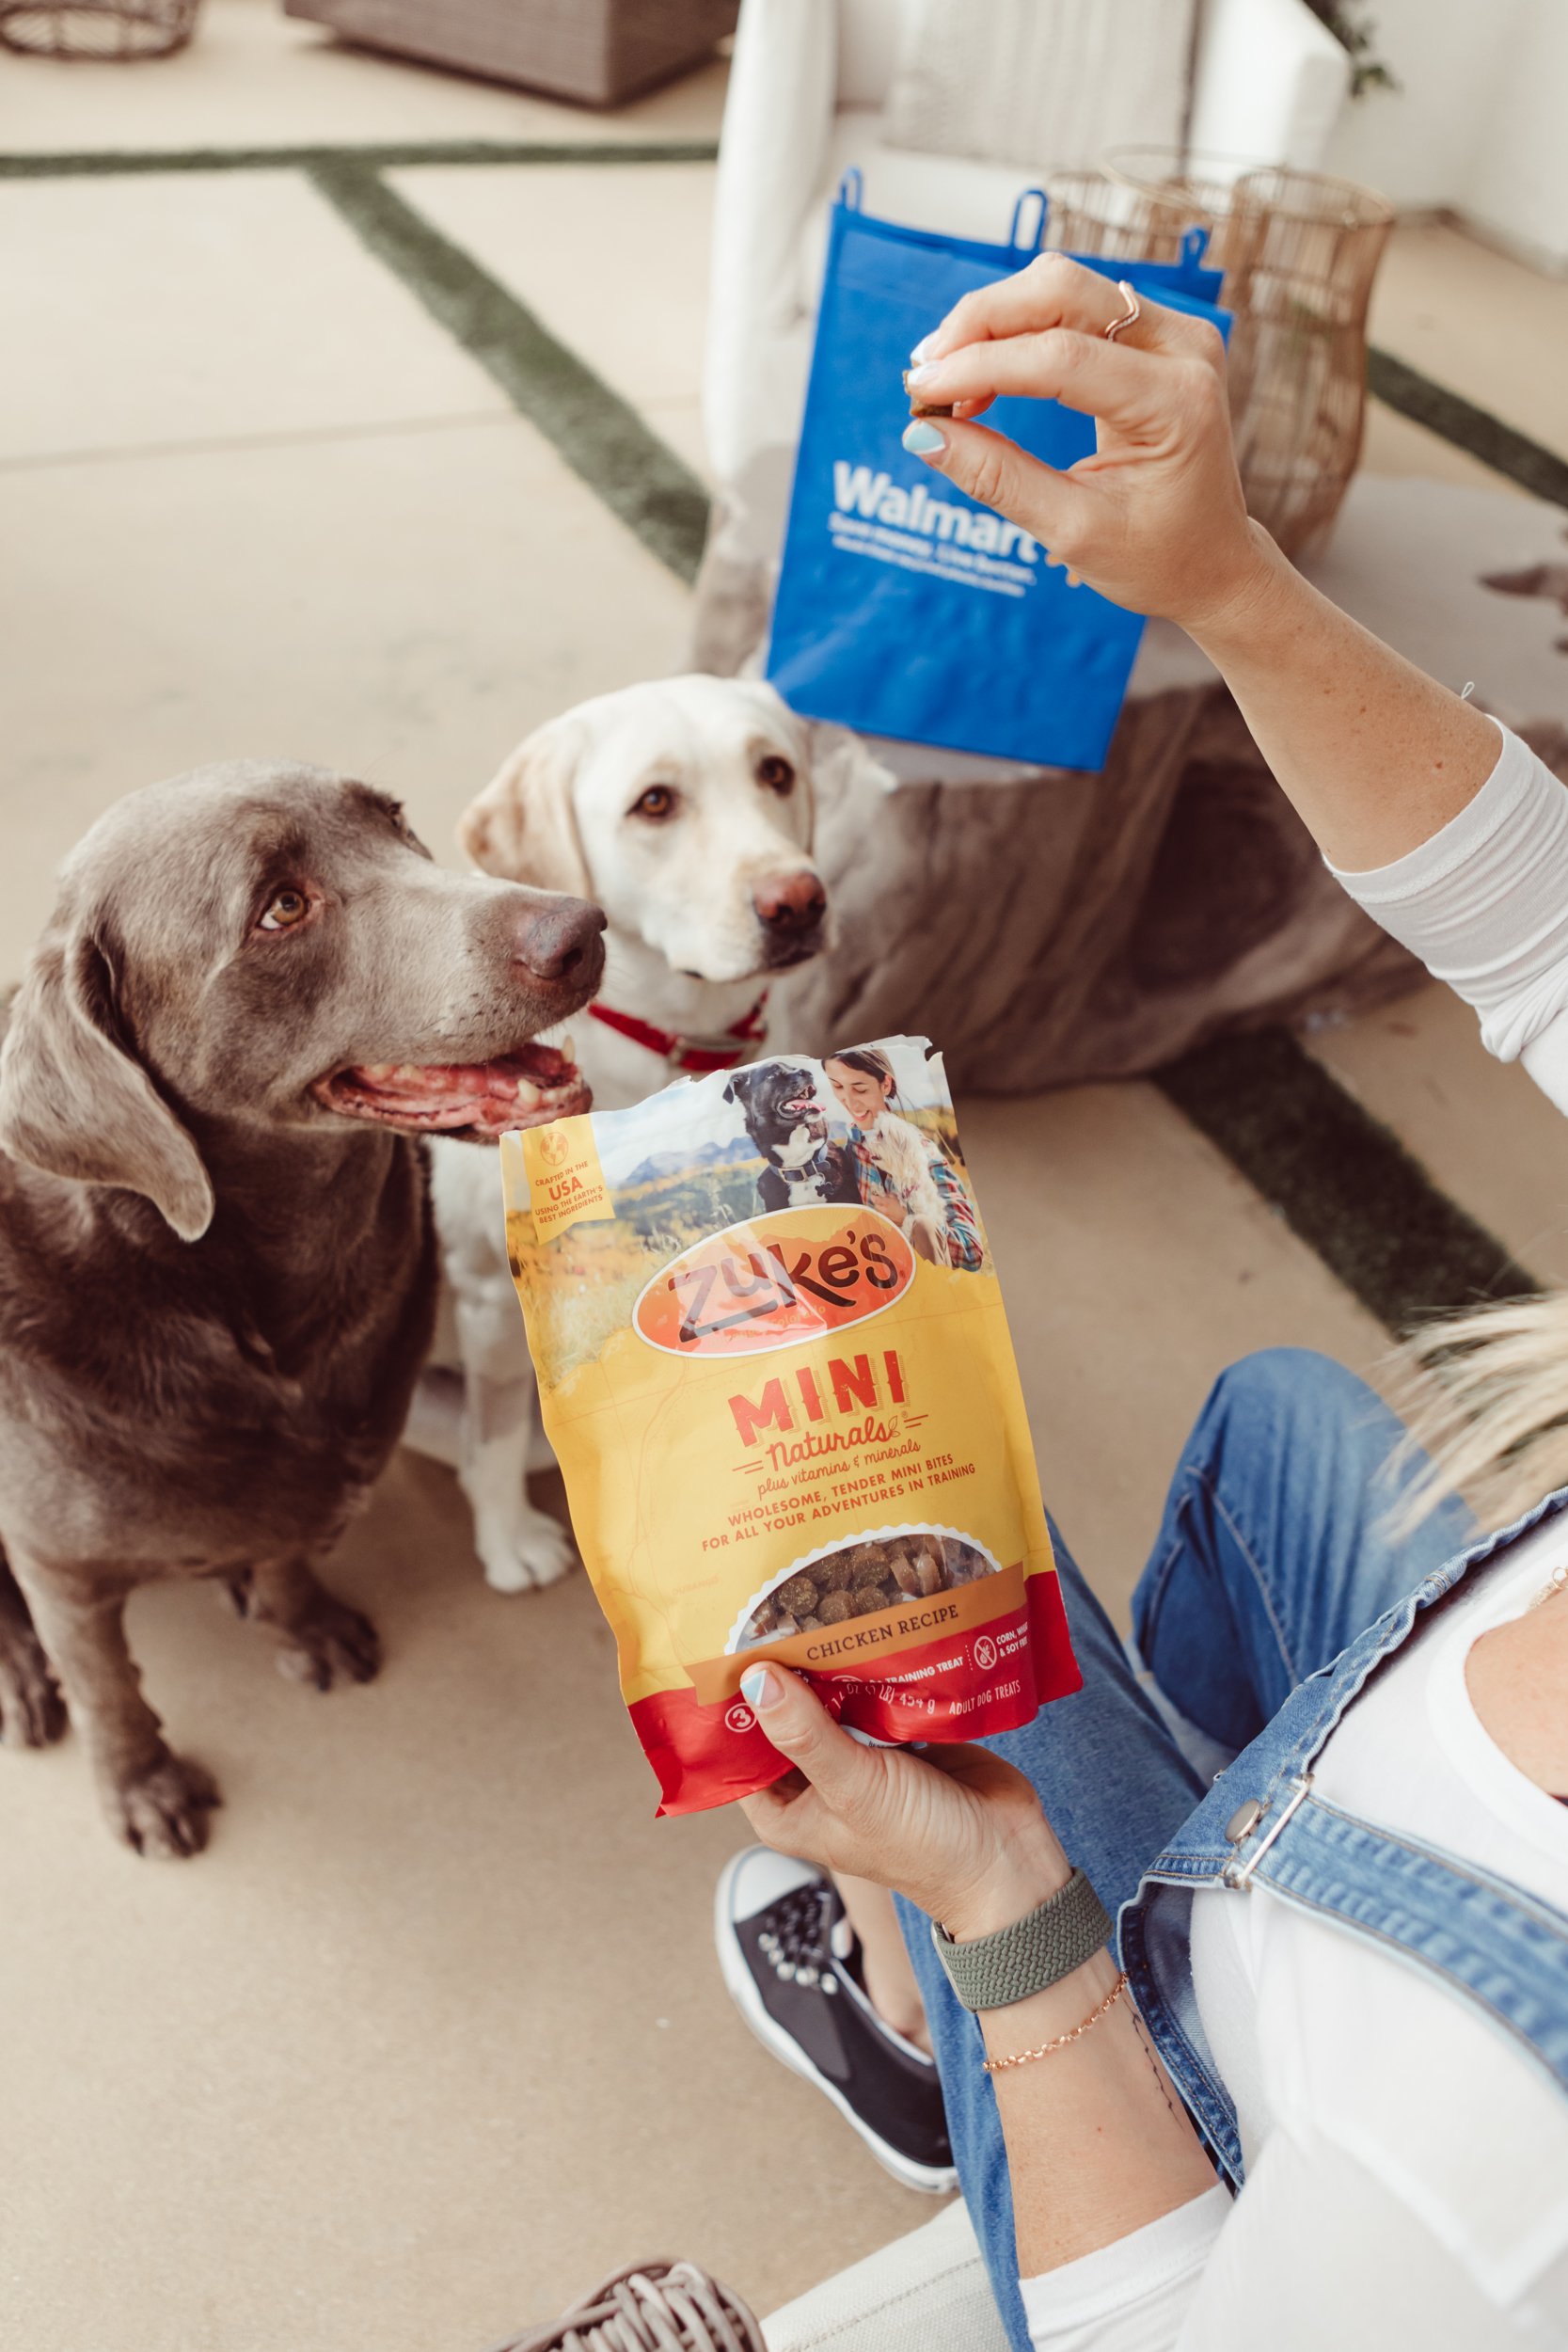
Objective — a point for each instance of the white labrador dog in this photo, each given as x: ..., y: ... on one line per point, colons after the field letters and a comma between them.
x: 686, y: 808
x: 904, y: 1156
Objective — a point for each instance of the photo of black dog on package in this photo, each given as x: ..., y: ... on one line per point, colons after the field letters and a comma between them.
x: 785, y: 1120
x: 888, y: 1162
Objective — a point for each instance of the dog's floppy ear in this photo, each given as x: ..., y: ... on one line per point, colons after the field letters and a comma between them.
x: 523, y: 826
x: 74, y: 1103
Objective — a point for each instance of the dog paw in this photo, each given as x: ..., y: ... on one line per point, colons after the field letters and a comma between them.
x: 162, y: 1813
x: 239, y: 1588
x: 32, y: 1713
x: 538, y: 1552
x: 333, y: 1645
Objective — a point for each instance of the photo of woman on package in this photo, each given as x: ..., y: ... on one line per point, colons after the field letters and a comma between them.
x: 902, y: 1172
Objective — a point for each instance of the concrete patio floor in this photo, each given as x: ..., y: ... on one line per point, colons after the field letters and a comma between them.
x: 433, y: 2033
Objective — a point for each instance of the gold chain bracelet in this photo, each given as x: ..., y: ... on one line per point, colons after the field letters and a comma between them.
x: 1025, y: 2057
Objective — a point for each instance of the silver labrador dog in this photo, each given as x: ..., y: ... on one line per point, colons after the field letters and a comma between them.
x: 218, y: 1272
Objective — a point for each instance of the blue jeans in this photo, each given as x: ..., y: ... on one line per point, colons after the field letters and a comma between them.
x: 1268, y: 1558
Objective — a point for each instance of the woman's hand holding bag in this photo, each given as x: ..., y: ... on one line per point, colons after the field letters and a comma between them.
x: 954, y: 1829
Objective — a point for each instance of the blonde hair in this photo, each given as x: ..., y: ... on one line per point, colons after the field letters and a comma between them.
x: 1485, y: 1394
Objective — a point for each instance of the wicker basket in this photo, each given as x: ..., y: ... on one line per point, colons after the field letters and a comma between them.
x: 117, y: 30
x: 1299, y: 253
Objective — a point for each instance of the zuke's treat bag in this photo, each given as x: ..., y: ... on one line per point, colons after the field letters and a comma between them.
x: 775, y: 1367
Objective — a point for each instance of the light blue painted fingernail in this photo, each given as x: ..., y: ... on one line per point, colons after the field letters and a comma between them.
x: 923, y: 348
x: 922, y: 439
x: 759, y: 1688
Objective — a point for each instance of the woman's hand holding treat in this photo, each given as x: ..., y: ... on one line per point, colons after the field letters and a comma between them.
x: 1375, y: 755
x: 954, y: 1828
x: 1155, y: 519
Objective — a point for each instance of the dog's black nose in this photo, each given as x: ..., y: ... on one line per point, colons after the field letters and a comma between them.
x: 791, y: 903
x: 559, y: 940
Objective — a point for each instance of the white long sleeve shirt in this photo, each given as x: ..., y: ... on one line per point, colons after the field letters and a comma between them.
x: 1408, y: 2168
x: 1485, y: 904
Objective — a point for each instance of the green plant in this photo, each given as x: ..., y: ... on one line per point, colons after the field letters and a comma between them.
x: 1356, y: 33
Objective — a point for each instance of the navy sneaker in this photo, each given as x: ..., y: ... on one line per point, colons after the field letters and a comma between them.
x: 791, y: 1964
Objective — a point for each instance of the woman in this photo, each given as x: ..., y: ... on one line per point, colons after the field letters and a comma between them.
x: 902, y: 1172
x: 1347, y: 1960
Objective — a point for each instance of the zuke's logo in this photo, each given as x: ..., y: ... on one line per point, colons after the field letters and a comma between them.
x: 801, y: 1274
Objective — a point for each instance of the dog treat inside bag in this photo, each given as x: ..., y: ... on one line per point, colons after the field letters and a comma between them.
x: 775, y: 1367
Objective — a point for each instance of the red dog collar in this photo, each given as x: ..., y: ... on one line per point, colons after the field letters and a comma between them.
x: 697, y: 1055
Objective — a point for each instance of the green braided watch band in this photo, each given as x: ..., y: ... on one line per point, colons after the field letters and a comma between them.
x: 994, y: 1971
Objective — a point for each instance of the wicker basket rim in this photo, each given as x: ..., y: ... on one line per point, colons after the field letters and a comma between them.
x: 1345, y: 203
x: 160, y: 14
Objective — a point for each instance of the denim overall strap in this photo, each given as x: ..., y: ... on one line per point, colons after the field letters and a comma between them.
x: 1271, y: 1767
x: 1489, y: 1941
x: 1248, y: 1818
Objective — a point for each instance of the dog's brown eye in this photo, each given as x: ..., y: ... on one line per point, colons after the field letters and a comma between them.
x: 657, y: 802
x: 288, y: 908
x: 776, y: 773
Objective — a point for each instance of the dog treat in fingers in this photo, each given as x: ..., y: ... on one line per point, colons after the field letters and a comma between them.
x: 919, y: 407
x: 775, y: 1367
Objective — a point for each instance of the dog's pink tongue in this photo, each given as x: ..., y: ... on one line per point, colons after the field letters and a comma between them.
x: 493, y: 1094
x: 434, y: 1088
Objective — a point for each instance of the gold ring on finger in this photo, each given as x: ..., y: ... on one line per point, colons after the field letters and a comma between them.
x: 1133, y: 310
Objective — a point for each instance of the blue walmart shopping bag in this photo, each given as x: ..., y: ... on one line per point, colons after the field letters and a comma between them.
x: 905, y: 609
